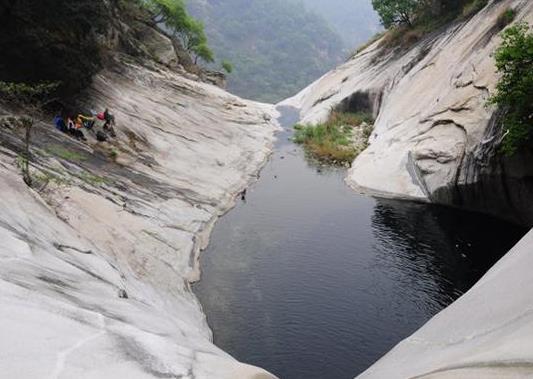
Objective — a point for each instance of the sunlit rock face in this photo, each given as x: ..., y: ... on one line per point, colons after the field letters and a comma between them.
x: 435, y: 139
x: 95, y: 265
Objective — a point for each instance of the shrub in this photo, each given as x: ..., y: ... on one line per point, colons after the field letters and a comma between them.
x: 424, y: 17
x: 514, y: 91
x: 227, y: 66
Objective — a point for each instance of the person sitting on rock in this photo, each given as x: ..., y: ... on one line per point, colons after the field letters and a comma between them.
x: 75, y: 129
x: 70, y: 126
x: 86, y: 121
x: 109, y: 123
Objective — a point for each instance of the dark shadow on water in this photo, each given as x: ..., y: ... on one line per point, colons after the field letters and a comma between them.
x: 310, y: 280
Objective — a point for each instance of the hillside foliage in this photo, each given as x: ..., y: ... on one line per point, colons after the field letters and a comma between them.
x: 276, y: 47
x: 514, y: 91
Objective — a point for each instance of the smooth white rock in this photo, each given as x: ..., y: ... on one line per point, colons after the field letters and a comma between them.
x: 185, y: 149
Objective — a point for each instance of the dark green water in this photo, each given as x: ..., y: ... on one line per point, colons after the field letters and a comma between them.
x: 308, y: 279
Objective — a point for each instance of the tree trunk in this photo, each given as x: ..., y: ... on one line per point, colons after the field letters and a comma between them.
x: 28, y: 123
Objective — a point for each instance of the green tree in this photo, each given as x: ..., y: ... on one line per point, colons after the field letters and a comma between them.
x: 514, y: 91
x: 204, y: 52
x: 32, y: 98
x: 190, y: 31
x: 396, y: 12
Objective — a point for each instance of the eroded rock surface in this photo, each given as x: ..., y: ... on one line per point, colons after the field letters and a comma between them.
x: 434, y: 137
x: 95, y: 263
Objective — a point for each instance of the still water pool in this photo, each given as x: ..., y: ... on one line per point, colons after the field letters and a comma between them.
x: 308, y: 279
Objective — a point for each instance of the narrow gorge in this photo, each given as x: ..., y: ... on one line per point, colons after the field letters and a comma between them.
x: 202, y: 243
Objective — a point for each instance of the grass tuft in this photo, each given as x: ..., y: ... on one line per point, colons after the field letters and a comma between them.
x: 66, y: 154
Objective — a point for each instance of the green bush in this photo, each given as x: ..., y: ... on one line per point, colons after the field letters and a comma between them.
x: 409, y: 21
x: 396, y: 12
x: 25, y: 93
x: 514, y: 91
x: 227, y: 66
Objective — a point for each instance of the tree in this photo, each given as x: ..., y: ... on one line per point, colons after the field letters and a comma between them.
x: 204, y: 52
x: 32, y: 98
x: 396, y: 12
x: 190, y: 31
x: 514, y: 91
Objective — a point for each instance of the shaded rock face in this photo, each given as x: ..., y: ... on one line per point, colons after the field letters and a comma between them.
x: 494, y: 183
x: 434, y: 138
x: 54, y: 40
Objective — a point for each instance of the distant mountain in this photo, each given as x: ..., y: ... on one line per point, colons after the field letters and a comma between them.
x: 354, y: 20
x: 277, y: 47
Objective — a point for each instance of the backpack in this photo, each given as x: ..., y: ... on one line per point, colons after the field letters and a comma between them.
x: 101, y: 136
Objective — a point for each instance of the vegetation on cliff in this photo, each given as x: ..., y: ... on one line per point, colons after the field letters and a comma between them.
x: 408, y: 21
x: 514, y: 91
x: 31, y: 99
x: 189, y: 30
